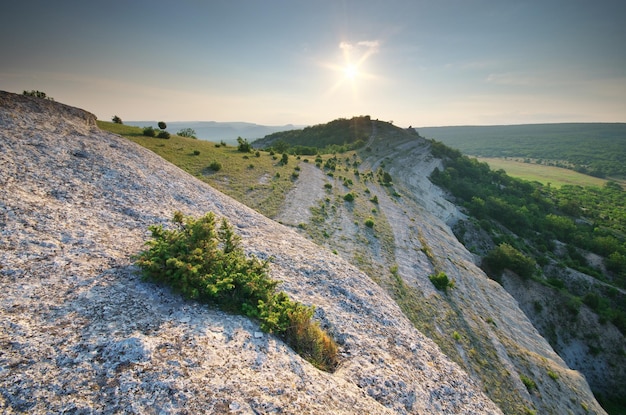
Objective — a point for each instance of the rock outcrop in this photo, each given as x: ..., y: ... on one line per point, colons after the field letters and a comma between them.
x: 81, y: 333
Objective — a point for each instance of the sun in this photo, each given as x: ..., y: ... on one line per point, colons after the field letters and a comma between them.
x: 350, y: 71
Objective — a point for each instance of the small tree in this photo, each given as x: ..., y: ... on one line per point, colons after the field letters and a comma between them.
x: 187, y: 132
x: 504, y: 256
x: 163, y: 134
x: 285, y: 158
x: 117, y: 120
x: 162, y: 125
x: 215, y: 166
x: 244, y: 146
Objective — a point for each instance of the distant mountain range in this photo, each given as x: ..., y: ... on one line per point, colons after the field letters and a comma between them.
x: 218, y: 131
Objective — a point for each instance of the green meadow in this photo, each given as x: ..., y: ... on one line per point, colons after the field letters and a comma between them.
x: 555, y: 176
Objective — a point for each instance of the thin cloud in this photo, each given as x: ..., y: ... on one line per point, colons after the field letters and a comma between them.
x: 345, y: 46
x: 365, y: 46
x: 372, y: 45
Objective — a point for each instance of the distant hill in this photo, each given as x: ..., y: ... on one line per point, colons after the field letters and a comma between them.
x: 598, y: 149
x: 341, y: 133
x: 220, y: 131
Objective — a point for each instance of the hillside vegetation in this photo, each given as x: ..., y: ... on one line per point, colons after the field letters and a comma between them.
x: 598, y: 149
x: 557, y: 237
x: 336, y: 136
x: 259, y: 179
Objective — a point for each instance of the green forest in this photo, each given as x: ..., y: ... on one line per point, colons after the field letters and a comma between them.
x: 597, y: 149
x: 527, y: 219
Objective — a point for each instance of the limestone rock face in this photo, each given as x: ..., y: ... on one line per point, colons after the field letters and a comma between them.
x: 81, y: 333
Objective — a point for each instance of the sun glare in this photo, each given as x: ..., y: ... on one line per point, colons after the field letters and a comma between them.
x: 350, y: 72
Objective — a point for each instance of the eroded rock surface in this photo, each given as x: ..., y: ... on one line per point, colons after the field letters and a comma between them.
x: 478, y: 323
x: 81, y: 333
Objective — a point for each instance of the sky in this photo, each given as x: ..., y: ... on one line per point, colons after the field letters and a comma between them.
x: 412, y: 62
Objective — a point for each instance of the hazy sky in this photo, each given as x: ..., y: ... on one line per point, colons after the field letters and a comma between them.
x: 420, y: 63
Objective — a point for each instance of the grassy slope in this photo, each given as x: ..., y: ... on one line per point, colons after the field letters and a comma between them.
x: 259, y: 182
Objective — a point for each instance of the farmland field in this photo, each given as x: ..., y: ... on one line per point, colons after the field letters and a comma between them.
x: 556, y: 176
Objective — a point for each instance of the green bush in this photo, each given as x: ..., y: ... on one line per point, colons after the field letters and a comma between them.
x: 196, y: 152
x: 163, y: 134
x: 117, y: 120
x: 215, y: 166
x: 348, y: 197
x: 528, y: 382
x: 504, y: 256
x: 149, y: 132
x: 38, y: 94
x: 441, y: 281
x: 369, y: 222
x: 205, y: 262
x: 187, y: 132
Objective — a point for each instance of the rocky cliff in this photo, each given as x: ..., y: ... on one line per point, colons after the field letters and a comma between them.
x: 81, y: 333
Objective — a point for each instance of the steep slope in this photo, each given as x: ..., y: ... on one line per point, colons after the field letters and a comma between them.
x: 81, y: 333
x: 477, y: 323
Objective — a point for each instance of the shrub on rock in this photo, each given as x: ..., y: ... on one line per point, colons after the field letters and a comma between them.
x: 205, y: 262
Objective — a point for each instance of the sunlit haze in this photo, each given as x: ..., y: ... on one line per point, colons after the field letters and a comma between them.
x: 419, y: 63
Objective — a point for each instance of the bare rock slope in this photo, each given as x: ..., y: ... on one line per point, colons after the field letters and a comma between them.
x: 477, y: 323
x: 81, y: 333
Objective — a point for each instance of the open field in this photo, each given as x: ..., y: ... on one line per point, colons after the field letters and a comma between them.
x: 556, y: 176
